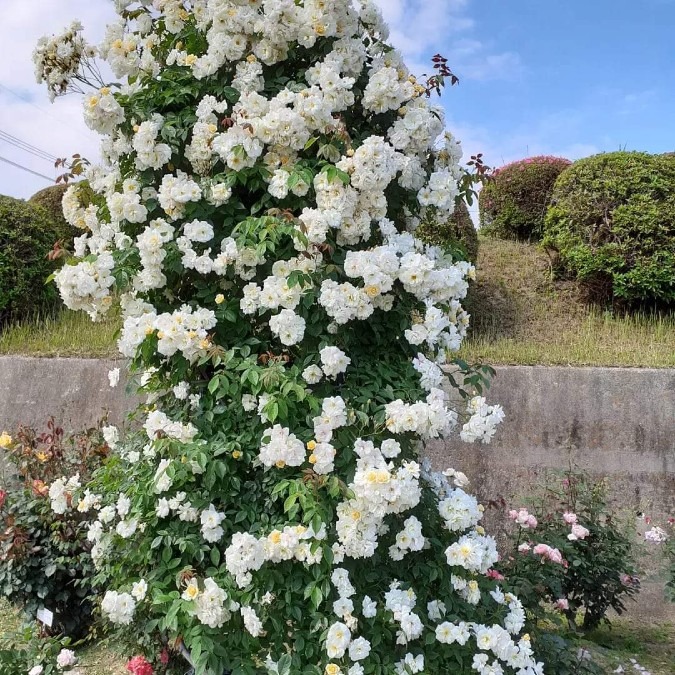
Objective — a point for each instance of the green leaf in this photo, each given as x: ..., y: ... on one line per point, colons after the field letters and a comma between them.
x: 284, y: 665
x: 214, y: 384
x: 317, y: 597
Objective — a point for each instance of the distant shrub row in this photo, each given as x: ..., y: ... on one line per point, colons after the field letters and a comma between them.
x: 28, y: 232
x: 30, y: 229
x: 609, y: 218
x: 513, y: 204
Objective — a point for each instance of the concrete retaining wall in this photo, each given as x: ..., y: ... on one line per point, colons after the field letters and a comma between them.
x: 75, y: 391
x: 615, y: 422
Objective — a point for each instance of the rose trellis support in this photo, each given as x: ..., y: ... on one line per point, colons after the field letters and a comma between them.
x: 266, y: 164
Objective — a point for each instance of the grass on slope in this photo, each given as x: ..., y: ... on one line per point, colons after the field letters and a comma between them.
x: 67, y: 333
x: 521, y: 316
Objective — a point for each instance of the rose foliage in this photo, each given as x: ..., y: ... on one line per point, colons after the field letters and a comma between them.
x: 266, y: 164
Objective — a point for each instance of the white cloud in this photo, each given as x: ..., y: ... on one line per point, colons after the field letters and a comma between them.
x: 420, y: 28
x: 26, y: 113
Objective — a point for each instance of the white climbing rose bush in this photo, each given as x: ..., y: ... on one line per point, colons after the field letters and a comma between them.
x: 266, y: 163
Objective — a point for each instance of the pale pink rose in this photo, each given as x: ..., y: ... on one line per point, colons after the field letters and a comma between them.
x: 524, y: 548
x: 554, y: 555
x: 570, y: 518
x: 524, y: 518
x: 66, y: 658
x: 541, y: 549
x: 562, y: 604
x: 578, y: 532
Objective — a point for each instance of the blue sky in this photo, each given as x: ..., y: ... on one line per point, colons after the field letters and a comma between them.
x: 570, y: 78
x: 567, y: 78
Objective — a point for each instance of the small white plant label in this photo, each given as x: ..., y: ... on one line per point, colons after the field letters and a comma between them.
x: 45, y: 616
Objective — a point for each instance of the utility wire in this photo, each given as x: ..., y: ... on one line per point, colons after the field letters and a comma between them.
x: 42, y: 110
x: 19, y: 166
x: 27, y: 144
x: 26, y: 147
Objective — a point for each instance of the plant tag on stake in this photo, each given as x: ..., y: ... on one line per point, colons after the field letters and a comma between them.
x: 45, y: 616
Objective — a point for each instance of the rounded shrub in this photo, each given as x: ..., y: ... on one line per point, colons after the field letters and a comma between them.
x: 50, y: 200
x: 612, y: 223
x: 27, y: 235
x: 513, y: 204
x: 457, y: 234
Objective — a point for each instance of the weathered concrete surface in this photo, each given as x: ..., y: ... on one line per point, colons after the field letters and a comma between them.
x: 614, y: 422
x: 75, y: 391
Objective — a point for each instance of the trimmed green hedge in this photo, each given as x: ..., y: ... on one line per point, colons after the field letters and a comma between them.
x: 612, y: 223
x: 27, y: 235
x: 50, y: 199
x: 458, y: 234
x: 513, y: 203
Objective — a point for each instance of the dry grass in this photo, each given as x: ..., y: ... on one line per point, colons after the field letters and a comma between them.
x: 64, y: 334
x: 522, y: 316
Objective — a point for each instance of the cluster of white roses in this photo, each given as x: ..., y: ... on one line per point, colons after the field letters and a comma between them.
x: 184, y: 331
x: 380, y: 489
x: 102, y: 112
x: 282, y: 134
x: 119, y: 608
x: 211, y: 604
x: 429, y: 419
x: 149, y: 153
x: 86, y: 286
x: 61, y: 491
x: 127, y: 47
x: 57, y: 59
x: 483, y: 422
x: 247, y: 553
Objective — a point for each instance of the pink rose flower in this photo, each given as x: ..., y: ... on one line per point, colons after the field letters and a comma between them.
x: 562, y: 604
x: 555, y: 556
x: 524, y: 518
x: 541, y: 549
x: 66, y: 658
x: 578, y: 532
x: 570, y: 518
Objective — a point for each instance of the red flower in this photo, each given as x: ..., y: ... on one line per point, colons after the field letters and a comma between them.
x: 139, y: 666
x: 164, y: 657
x: 3, y: 496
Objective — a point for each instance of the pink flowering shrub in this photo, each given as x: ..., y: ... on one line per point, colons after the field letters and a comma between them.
x: 513, y: 204
x: 575, y: 554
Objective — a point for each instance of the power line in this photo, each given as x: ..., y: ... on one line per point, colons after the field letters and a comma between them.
x: 27, y: 144
x: 26, y: 147
x: 19, y: 166
x: 42, y: 110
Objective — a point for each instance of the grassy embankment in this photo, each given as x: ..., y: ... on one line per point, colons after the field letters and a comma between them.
x: 520, y: 316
